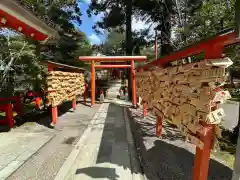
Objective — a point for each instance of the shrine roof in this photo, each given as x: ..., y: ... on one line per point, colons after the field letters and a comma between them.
x: 20, y: 16
x: 64, y: 66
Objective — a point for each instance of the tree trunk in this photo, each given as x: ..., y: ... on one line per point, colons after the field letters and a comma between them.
x: 166, y: 47
x: 129, y: 42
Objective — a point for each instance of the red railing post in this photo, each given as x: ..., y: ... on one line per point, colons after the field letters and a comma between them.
x: 202, y: 156
x: 93, y: 84
x: 145, y: 112
x: 74, y: 103
x: 54, y: 115
x: 158, y: 126
x: 9, y: 115
x: 134, y: 97
x: 50, y: 67
x: 38, y: 102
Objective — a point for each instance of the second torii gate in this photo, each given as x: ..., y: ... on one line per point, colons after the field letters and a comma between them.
x: 110, y: 59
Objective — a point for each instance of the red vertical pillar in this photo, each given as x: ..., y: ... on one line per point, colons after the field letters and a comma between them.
x: 93, y: 84
x: 54, y: 115
x: 134, y: 97
x: 74, y: 103
x: 50, y: 67
x: 159, y: 126
x: 9, y: 115
x: 202, y: 156
x: 145, y: 113
x: 38, y: 102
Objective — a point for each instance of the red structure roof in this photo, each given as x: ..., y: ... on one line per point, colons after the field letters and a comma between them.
x: 14, y: 16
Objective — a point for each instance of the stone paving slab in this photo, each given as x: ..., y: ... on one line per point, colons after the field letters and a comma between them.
x: 105, y: 152
x: 168, y: 157
x: 16, y: 147
x: 47, y: 161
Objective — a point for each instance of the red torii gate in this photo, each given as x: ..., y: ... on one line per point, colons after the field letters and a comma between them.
x: 110, y: 59
x: 212, y: 49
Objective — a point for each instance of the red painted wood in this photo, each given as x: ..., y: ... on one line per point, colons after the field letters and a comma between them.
x: 54, y: 115
x: 213, y: 43
x: 14, y: 23
x: 159, y: 126
x: 50, y: 67
x: 134, y: 96
x: 74, y: 104
x: 9, y: 115
x: 202, y: 156
x: 145, y: 112
x: 112, y: 58
x: 113, y: 66
x: 38, y: 102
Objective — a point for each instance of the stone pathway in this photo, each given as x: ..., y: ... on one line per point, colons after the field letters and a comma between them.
x: 17, y: 146
x: 169, y: 157
x: 105, y: 151
x: 46, y: 162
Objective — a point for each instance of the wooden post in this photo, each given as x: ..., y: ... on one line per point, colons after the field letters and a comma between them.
x: 54, y: 115
x: 159, y: 126
x: 145, y: 113
x: 93, y: 84
x: 74, y: 103
x: 134, y: 97
x: 9, y: 115
x: 50, y: 67
x: 38, y: 102
x: 202, y: 156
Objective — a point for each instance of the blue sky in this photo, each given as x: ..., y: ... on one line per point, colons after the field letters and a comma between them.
x: 87, y: 24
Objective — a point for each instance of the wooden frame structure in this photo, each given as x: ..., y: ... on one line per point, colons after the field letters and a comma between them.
x: 51, y: 66
x: 212, y: 49
x: 14, y: 15
x: 110, y: 59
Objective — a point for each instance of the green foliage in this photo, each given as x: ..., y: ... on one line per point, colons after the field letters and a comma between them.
x: 22, y: 55
x: 208, y: 19
x: 234, y: 92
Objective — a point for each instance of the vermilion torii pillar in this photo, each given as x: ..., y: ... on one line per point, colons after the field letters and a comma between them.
x: 94, y: 59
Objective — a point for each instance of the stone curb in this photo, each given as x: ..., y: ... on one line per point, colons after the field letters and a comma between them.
x: 73, y: 155
x: 134, y: 159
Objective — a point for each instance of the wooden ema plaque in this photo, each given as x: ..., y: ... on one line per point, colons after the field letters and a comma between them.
x: 187, y: 96
x: 64, y: 86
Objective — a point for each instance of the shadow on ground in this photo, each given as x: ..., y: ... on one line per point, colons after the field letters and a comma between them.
x: 113, y: 137
x: 99, y: 172
x: 42, y: 117
x: 162, y: 160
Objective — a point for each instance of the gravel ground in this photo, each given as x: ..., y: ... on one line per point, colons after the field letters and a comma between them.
x: 169, y: 157
x: 45, y: 164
